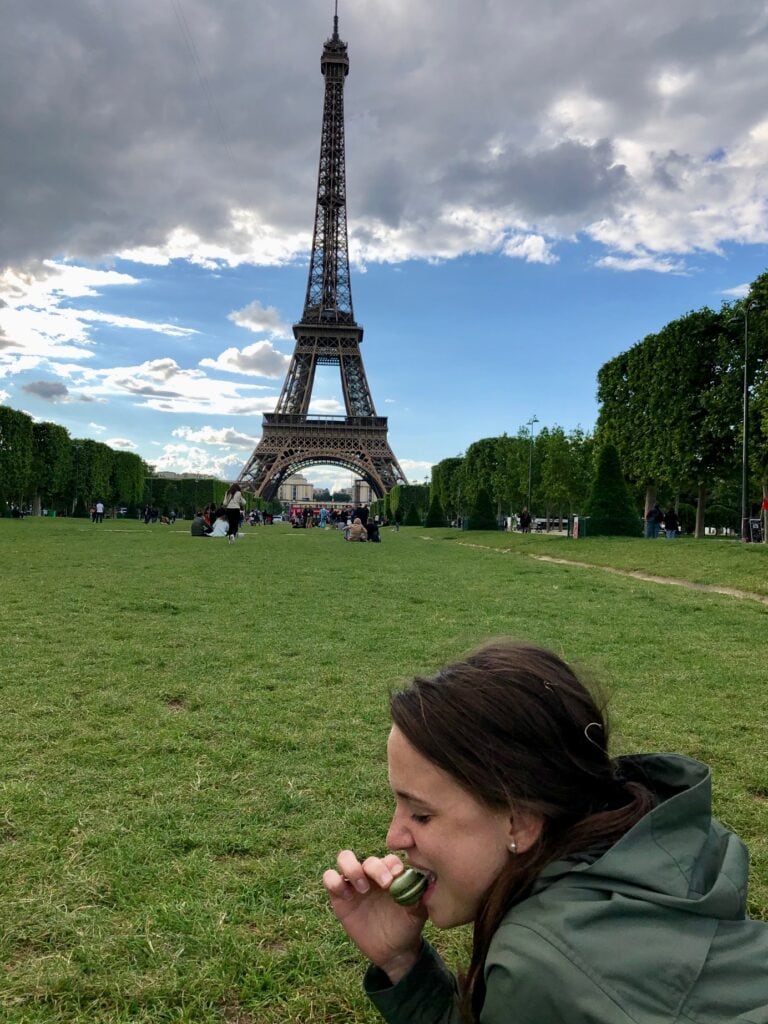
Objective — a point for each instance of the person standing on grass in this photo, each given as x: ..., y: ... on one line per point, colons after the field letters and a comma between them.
x: 234, y: 502
x: 524, y: 521
x: 99, y: 512
x: 671, y: 523
x: 600, y: 890
x: 653, y: 522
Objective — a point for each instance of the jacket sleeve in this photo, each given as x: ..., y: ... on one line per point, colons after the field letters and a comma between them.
x: 426, y: 995
x: 532, y: 979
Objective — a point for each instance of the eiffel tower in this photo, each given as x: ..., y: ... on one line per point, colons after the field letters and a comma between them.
x: 327, y: 334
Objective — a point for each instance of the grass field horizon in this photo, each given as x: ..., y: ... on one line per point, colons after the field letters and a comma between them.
x: 191, y: 730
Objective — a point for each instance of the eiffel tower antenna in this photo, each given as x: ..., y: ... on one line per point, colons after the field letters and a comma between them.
x: 327, y: 334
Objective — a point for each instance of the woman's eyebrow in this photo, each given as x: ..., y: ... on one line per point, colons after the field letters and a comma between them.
x: 405, y: 795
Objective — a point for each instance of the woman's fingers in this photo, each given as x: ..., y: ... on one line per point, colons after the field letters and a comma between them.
x: 394, y: 864
x: 351, y: 869
x: 350, y: 872
x: 382, y: 870
x: 336, y: 885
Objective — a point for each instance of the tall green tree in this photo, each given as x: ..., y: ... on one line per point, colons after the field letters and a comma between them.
x: 16, y: 454
x: 404, y: 496
x: 127, y: 479
x: 670, y: 406
x: 446, y: 484
x: 555, y: 486
x: 91, y: 474
x: 479, y: 470
x: 509, y: 482
x: 51, y: 466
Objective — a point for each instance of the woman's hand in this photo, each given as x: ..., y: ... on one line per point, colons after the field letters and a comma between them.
x: 388, y: 934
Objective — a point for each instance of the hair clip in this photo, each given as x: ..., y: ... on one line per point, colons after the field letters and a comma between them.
x: 588, y: 737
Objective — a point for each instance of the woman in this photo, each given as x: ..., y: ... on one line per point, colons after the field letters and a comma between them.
x: 599, y: 890
x: 233, y: 503
x: 356, y: 531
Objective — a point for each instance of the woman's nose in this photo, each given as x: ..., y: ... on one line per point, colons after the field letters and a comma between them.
x: 398, y: 836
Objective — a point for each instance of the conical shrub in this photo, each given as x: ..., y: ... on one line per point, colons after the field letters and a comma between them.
x: 610, y: 507
x: 482, y: 516
x: 435, y: 516
x: 412, y: 517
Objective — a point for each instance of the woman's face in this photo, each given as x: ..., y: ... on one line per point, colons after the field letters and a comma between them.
x: 442, y: 829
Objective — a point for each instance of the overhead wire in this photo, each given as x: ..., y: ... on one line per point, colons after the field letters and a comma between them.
x: 202, y: 78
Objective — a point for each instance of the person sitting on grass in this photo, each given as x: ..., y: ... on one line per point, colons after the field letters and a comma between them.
x: 356, y: 531
x: 600, y: 890
x: 220, y: 525
x: 199, y: 527
x: 372, y: 529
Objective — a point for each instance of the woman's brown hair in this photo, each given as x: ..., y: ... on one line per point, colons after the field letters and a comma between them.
x: 514, y: 726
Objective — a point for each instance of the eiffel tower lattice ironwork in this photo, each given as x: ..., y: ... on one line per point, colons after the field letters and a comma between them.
x: 327, y: 334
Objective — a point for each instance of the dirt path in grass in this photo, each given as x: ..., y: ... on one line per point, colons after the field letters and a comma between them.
x: 670, y: 581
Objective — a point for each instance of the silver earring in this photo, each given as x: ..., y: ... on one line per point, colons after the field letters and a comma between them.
x: 512, y: 847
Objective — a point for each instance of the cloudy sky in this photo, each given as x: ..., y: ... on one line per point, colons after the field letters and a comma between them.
x: 532, y: 187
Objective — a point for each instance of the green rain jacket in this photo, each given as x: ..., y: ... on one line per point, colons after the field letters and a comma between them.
x: 651, y: 931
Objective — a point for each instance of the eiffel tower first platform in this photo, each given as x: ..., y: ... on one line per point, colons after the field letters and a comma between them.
x: 327, y: 334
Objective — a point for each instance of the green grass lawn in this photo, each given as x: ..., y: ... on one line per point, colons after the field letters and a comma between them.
x: 191, y: 730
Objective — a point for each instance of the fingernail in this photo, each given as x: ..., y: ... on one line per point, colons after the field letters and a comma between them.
x: 361, y: 885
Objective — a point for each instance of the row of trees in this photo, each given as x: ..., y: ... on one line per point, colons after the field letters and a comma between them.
x: 672, y: 405
x: 408, y: 502
x: 556, y: 466
x: 492, y: 479
x: 43, y: 467
x: 670, y: 422
x: 187, y: 494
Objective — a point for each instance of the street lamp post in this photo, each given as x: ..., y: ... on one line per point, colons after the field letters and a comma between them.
x: 746, y: 310
x: 531, y: 421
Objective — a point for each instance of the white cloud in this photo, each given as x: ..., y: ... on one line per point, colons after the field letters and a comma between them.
x: 416, y: 469
x: 183, y: 458
x: 261, y: 320
x: 33, y: 311
x: 258, y: 360
x: 739, y: 291
x: 643, y: 261
x: 326, y: 407
x: 165, y: 386
x: 122, y: 443
x: 97, y: 427
x: 532, y: 248
x: 4, y: 395
x: 246, y: 238
x: 216, y: 436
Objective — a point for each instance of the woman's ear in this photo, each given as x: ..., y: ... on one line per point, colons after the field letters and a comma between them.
x: 524, y: 830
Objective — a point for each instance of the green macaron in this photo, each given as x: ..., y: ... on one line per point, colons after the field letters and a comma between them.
x: 408, y: 887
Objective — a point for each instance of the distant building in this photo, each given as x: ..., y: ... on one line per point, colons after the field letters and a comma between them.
x: 295, y: 488
x: 361, y: 493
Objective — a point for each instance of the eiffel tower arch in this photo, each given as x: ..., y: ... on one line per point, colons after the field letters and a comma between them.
x: 327, y: 334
